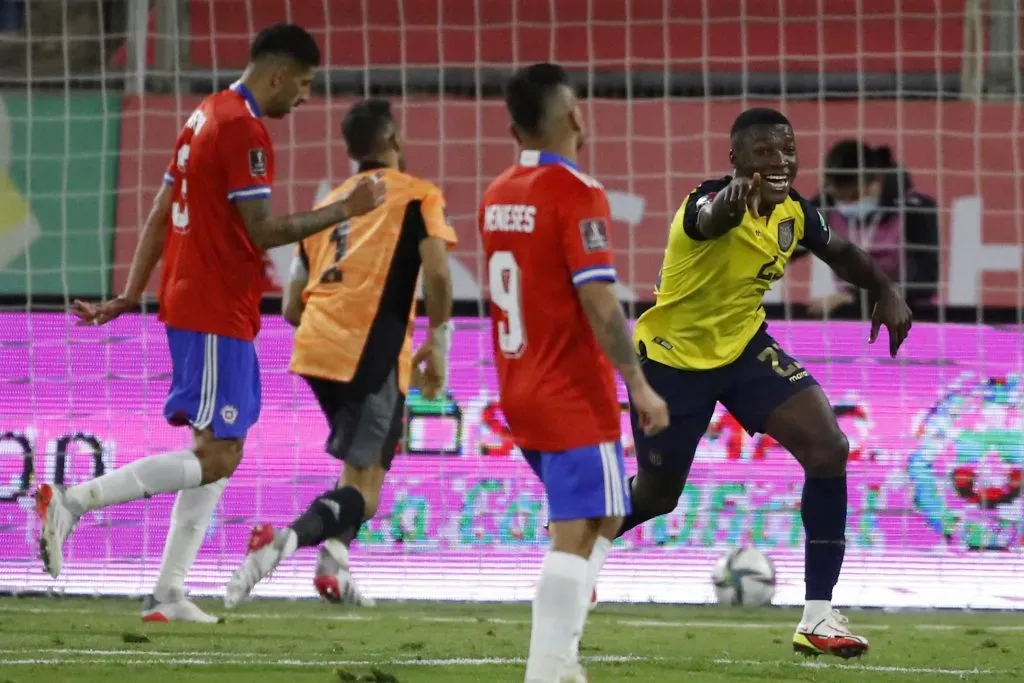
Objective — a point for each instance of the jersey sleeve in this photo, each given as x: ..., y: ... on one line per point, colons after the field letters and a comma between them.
x: 170, y: 171
x: 586, y: 238
x: 244, y: 149
x: 435, y: 218
x: 696, y: 200
x: 816, y: 231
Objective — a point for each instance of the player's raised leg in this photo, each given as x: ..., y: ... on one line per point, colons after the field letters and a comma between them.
x: 772, y: 393
x: 664, y: 459
x: 215, y: 388
x: 587, y: 499
x: 365, y: 429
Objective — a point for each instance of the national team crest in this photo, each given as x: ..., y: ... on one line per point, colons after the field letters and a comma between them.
x: 229, y: 414
x: 258, y: 162
x: 787, y: 230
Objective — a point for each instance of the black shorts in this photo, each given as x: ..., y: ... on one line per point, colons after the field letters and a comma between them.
x: 366, y: 425
x: 750, y: 388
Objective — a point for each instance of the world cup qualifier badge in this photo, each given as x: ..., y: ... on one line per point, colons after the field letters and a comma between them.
x: 258, y: 162
x: 594, y: 233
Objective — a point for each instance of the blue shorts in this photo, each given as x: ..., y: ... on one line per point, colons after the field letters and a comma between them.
x: 215, y: 383
x: 751, y: 387
x: 588, y: 482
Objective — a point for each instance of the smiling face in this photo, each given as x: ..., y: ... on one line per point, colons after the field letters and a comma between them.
x: 771, y: 151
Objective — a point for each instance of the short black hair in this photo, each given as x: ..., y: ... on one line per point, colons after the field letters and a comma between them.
x: 758, y: 116
x: 850, y: 159
x: 286, y: 40
x: 363, y: 126
x: 528, y: 92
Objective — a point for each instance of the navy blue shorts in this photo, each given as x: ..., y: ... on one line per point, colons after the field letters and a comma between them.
x: 215, y: 383
x: 750, y: 388
x: 583, y: 483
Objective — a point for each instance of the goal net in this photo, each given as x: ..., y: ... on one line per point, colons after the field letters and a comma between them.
x: 94, y: 94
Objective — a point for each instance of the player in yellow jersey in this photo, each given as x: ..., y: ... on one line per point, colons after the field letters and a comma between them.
x: 705, y: 341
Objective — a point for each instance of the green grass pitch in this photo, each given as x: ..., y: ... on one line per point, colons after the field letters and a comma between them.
x: 82, y: 640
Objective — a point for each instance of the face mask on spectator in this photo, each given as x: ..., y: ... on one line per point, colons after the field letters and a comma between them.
x: 858, y: 210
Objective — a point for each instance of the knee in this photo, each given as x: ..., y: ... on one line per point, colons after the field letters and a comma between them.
x: 219, y: 459
x: 609, y: 527
x: 575, y: 537
x: 826, y: 455
x: 659, y: 494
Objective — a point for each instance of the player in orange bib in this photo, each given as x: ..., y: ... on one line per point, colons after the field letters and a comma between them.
x: 352, y: 297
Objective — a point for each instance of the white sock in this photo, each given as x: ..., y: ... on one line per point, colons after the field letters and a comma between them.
x: 602, y: 546
x: 139, y: 479
x: 190, y: 519
x: 815, y: 611
x: 559, y: 608
x: 288, y: 540
x: 336, y: 551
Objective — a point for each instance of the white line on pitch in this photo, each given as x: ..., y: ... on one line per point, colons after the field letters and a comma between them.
x: 861, y: 667
x: 142, y: 658
x: 653, y: 623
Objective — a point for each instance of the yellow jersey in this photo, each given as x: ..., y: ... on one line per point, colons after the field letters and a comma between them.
x: 708, y: 296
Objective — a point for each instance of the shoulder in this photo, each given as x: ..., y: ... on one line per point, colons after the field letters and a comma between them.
x: 565, y: 186
x: 336, y: 193
x: 706, y: 191
x: 572, y: 190
x: 797, y: 197
x: 232, y: 115
x: 418, y: 187
x: 808, y: 208
x: 498, y: 186
x: 575, y: 178
x: 917, y: 201
x: 237, y: 130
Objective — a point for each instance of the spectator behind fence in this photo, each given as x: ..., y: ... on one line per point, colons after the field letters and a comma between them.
x: 868, y: 199
x: 12, y: 15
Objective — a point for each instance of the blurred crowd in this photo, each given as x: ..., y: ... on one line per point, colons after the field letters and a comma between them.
x: 54, y: 38
x: 865, y: 194
x: 868, y: 198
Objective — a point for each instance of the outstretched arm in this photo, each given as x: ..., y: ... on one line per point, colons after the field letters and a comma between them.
x: 267, y: 231
x: 244, y: 149
x: 715, y: 216
x: 587, y: 249
x: 150, y: 246
x: 853, y: 264
x: 147, y: 255
x: 604, y: 313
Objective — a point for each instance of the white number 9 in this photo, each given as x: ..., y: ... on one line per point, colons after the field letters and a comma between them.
x: 506, y: 287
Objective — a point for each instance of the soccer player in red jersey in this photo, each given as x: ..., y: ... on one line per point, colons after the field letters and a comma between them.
x: 559, y: 335
x: 211, y: 224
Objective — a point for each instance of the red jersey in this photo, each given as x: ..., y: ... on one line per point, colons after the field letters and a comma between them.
x: 544, y: 227
x: 212, y: 278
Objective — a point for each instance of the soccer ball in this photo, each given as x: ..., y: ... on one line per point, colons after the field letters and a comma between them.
x: 744, y: 577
